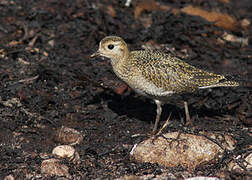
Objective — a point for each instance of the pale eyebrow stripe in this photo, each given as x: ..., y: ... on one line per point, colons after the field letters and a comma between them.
x: 116, y: 42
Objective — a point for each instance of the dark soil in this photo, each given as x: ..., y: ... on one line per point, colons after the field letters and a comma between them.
x: 47, y: 81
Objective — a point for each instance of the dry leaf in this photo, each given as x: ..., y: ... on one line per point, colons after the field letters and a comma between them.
x: 225, y: 1
x: 219, y: 19
x: 121, y: 89
x: 149, y: 5
x: 111, y: 11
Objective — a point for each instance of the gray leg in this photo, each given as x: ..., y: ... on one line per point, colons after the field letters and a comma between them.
x: 188, y: 119
x: 159, y: 111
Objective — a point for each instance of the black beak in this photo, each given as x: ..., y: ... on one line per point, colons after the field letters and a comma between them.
x: 95, y: 54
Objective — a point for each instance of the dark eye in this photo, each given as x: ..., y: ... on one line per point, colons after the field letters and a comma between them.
x: 110, y: 46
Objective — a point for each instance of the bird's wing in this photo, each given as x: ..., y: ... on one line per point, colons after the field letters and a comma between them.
x: 172, y: 74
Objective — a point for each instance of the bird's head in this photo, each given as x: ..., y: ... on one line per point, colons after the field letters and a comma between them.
x: 112, y: 47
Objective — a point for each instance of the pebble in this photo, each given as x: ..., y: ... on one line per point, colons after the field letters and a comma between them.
x: 9, y: 177
x: 68, y: 152
x: 244, y: 160
x: 53, y: 167
x: 68, y: 136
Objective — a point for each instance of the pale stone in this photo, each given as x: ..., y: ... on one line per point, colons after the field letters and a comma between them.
x: 188, y: 151
x: 242, y: 161
x: 66, y: 151
x: 53, y: 167
x: 69, y: 136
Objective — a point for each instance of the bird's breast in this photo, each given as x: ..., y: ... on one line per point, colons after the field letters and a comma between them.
x: 145, y: 87
x: 139, y: 83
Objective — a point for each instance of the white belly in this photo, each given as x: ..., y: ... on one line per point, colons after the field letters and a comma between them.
x: 146, y: 88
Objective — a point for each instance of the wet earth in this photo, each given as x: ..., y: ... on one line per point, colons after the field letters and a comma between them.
x: 47, y: 81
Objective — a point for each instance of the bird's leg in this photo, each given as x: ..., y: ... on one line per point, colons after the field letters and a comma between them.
x: 188, y: 119
x: 159, y: 111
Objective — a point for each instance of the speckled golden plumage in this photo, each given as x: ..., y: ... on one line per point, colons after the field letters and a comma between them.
x: 172, y: 74
x: 155, y: 74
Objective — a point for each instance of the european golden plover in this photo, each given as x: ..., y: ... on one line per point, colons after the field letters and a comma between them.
x: 156, y: 75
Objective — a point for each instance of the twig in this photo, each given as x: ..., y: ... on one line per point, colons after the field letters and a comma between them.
x: 164, y: 126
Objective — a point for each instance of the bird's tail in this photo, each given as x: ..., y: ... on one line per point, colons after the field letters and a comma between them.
x: 227, y: 84
x: 222, y: 83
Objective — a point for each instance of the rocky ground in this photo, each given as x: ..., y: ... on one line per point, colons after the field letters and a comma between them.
x: 48, y: 84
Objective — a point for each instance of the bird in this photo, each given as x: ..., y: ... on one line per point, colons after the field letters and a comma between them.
x: 155, y: 74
